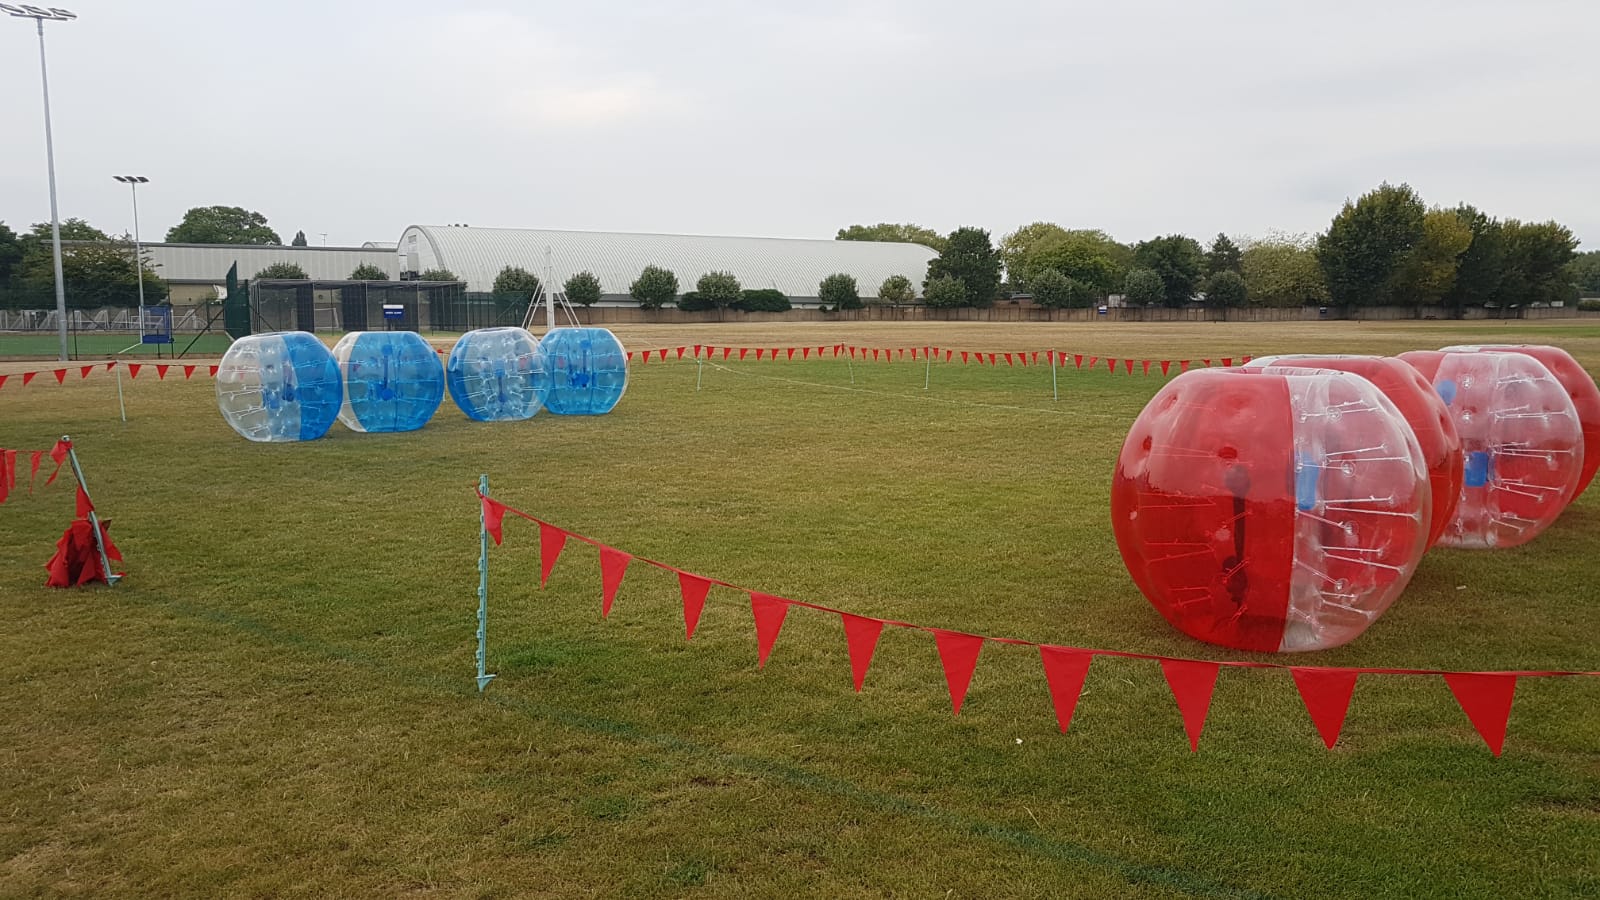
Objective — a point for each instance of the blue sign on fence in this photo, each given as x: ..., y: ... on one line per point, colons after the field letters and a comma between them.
x: 394, y: 311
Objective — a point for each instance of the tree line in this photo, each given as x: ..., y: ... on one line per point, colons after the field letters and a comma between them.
x: 1386, y: 248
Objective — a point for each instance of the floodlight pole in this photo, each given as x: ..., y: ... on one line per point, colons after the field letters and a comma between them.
x: 133, y: 182
x: 38, y: 15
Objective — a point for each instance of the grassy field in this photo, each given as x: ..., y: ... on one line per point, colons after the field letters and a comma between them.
x: 279, y: 698
x: 91, y: 345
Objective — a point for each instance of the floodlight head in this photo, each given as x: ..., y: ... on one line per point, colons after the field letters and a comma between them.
x: 55, y: 14
x: 131, y: 179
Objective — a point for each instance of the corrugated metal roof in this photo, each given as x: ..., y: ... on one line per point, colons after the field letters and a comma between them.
x: 209, y: 262
x: 794, y: 266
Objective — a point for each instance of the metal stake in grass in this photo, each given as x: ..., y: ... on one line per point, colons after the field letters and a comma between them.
x: 94, y: 520
x: 1055, y: 390
x: 699, y: 369
x: 483, y: 588
x: 849, y: 360
x: 120, y: 405
x: 927, y: 371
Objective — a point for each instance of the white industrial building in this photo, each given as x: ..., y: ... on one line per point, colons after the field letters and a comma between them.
x: 793, y: 266
x: 197, y: 272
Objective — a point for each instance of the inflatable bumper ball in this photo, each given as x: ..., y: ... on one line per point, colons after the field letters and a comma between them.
x: 1580, y: 387
x: 393, y: 380
x: 279, y: 386
x: 498, y: 375
x: 1271, y: 512
x: 589, y: 369
x: 1422, y: 409
x: 1520, y: 437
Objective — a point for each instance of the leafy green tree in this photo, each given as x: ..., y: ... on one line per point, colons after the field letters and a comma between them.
x: 299, y: 239
x: 1144, y: 288
x: 896, y: 290
x: 1428, y: 272
x: 222, y: 225
x: 438, y: 275
x: 516, y: 280
x: 838, y: 291
x: 1482, y: 267
x: 1537, y: 254
x: 1584, y: 271
x: 654, y: 288
x: 368, y: 272
x: 1050, y: 289
x: 10, y: 253
x: 944, y: 292
x: 282, y: 270
x: 1177, y: 260
x: 583, y: 289
x: 1088, y: 256
x: 1226, y: 290
x: 97, y: 273
x: 721, y: 288
x: 1367, y: 244
x: 1224, y: 256
x: 1282, y: 271
x: 970, y: 258
x: 1017, y: 249
x: 892, y: 233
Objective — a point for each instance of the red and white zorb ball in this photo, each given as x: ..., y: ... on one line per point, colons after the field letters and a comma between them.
x: 1520, y: 438
x: 1273, y: 510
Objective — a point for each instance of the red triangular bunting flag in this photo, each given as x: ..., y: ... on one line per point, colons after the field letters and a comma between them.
x: 1036, y: 357
x: 494, y: 515
x: 1183, y: 365
x: 61, y: 376
x: 950, y: 354
x: 1064, y: 670
x: 769, y: 612
x: 1147, y: 367
x: 774, y: 354
x: 1245, y: 361
x: 1127, y: 366
x: 3, y: 380
x: 913, y: 354
x: 551, y: 540
x: 1227, y: 360
x: 759, y: 351
x: 874, y: 354
x: 694, y: 590
x: 188, y: 372
x: 963, y: 357
x: 8, y: 462
x: 84, y: 506
x: 1077, y: 360
x: 861, y: 634
x: 697, y: 351
x: 110, y: 365
x: 681, y: 349
x: 663, y: 352
x: 1326, y: 694
x: 743, y: 351
x: 1111, y: 365
x: 1008, y: 359
x: 613, y: 565
x: 805, y: 352
x: 991, y: 359
x: 83, y: 372
x: 1207, y: 362
x: 1092, y: 361
x: 958, y: 652
x: 212, y: 370
x: 1192, y: 682
x: 726, y: 351
x: 161, y: 372
x: 1165, y: 365
x: 27, y: 377
x: 790, y: 351
x: 58, y: 454
x: 1486, y: 699
x: 33, y: 467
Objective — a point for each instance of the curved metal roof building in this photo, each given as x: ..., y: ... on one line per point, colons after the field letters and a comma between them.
x: 794, y: 266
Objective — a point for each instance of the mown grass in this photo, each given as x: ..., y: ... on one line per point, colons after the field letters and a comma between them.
x: 88, y: 345
x: 279, y: 698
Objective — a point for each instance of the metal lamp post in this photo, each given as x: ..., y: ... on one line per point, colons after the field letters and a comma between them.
x: 133, y: 182
x: 39, y: 15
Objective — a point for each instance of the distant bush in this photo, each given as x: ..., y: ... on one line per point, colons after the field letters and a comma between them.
x: 1589, y: 304
x: 839, y: 291
x: 693, y: 302
x: 764, y: 300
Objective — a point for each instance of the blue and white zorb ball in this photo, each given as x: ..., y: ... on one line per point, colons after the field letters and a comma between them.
x: 280, y: 386
x: 498, y: 375
x: 590, y: 370
x: 393, y: 380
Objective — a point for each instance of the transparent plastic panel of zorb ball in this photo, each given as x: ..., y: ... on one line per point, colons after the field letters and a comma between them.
x: 589, y: 368
x: 1248, y: 520
x: 1580, y: 387
x: 279, y: 386
x: 498, y: 375
x: 393, y: 380
x: 1521, y: 440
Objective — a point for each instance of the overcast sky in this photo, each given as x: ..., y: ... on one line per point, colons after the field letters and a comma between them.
x: 793, y: 119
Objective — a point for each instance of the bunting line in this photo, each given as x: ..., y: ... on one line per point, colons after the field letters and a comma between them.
x: 1485, y: 696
